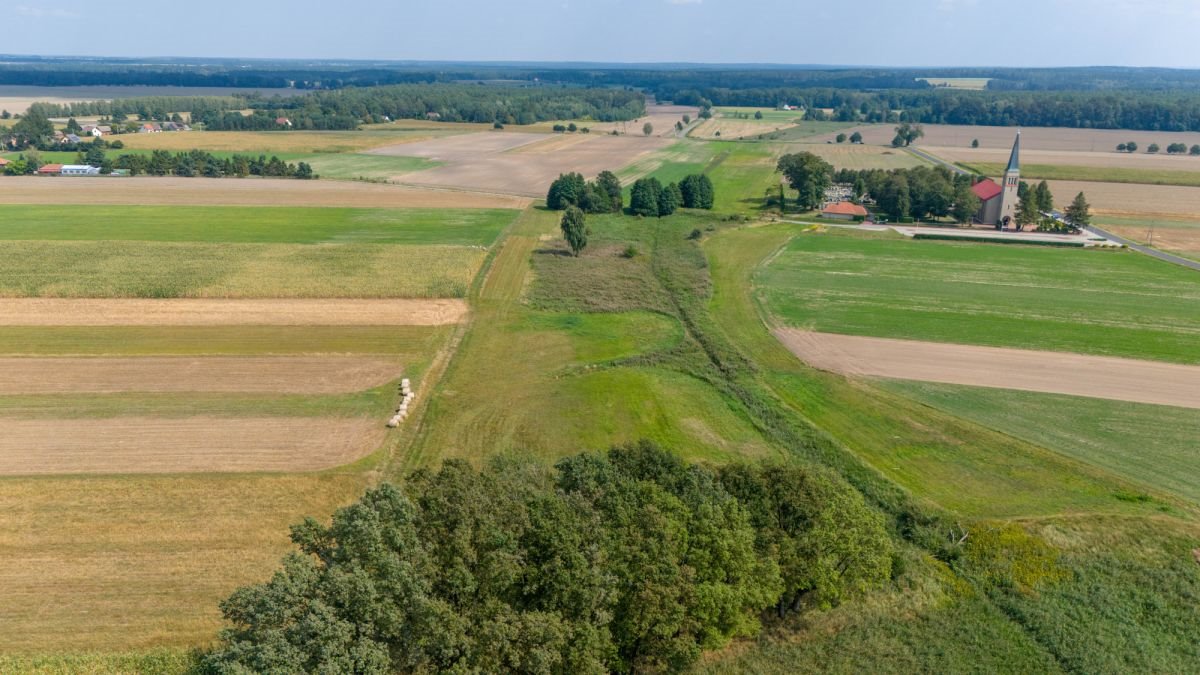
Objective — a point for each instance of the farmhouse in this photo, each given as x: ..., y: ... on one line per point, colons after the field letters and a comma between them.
x: 844, y: 211
x: 998, y: 204
x: 80, y: 170
x: 283, y: 121
x: 150, y: 128
x: 96, y: 130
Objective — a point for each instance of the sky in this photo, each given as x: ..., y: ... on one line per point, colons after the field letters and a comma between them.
x: 843, y: 32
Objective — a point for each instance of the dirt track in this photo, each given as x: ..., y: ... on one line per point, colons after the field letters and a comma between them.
x: 194, y: 444
x: 168, y: 190
x: 1052, y: 372
x: 188, y: 312
x: 159, y: 374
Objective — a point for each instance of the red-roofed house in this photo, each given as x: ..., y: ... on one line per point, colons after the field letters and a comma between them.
x: 283, y: 121
x: 50, y: 170
x: 844, y: 211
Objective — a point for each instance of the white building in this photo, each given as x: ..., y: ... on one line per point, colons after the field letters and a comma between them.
x: 80, y: 170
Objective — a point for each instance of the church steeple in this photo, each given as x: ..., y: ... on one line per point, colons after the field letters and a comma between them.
x: 1012, y: 184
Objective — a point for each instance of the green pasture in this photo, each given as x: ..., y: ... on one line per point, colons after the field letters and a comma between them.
x: 358, y: 166
x: 769, y: 115
x: 153, y: 269
x: 254, y: 224
x: 1102, y: 174
x: 1148, y: 444
x: 1115, y: 303
x: 740, y: 172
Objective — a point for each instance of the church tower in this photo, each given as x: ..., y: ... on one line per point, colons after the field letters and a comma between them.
x: 1012, y: 181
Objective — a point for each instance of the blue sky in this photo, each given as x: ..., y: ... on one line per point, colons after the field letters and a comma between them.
x: 875, y: 32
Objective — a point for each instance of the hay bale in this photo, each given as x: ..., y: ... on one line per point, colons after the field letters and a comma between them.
x: 405, y: 383
x: 393, y: 423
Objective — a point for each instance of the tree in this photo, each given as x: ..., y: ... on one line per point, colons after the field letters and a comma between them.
x: 647, y: 128
x: 1043, y: 198
x: 966, y: 204
x: 669, y: 200
x: 808, y: 175
x: 1027, y: 210
x: 687, y: 119
x: 1177, y: 148
x: 574, y: 228
x: 758, y: 114
x: 566, y: 190
x: 1078, y: 214
x: 73, y: 126
x: 975, y: 143
x: 841, y: 138
x: 1152, y: 148
x: 94, y: 155
x: 572, y: 128
x: 856, y: 138
x: 1195, y: 150
x: 608, y: 182
x: 1131, y: 147
x: 898, y: 141
x: 907, y: 134
x: 644, y: 197
x: 32, y: 129
x: 1121, y: 147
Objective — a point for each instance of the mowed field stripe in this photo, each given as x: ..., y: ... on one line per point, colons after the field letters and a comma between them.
x: 159, y: 374
x: 219, y: 312
x: 194, y: 444
x: 1049, y: 372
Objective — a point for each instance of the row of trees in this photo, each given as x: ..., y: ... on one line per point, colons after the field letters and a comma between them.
x: 1172, y: 149
x: 347, y: 108
x: 201, y: 163
x: 602, y: 195
x: 627, y: 561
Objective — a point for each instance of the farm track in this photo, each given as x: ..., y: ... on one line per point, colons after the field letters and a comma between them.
x: 195, y: 312
x: 174, y: 191
x: 148, y: 445
x: 1027, y: 370
x: 219, y: 374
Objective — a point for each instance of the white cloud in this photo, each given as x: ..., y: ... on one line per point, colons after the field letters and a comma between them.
x: 43, y: 13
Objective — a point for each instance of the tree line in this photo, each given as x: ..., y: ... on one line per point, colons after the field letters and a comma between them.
x: 624, y: 561
x: 347, y: 108
x: 163, y: 163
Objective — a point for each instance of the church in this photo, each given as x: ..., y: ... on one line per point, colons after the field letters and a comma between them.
x: 999, y: 202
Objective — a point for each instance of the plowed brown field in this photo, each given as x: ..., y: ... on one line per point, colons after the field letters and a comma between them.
x: 195, y: 312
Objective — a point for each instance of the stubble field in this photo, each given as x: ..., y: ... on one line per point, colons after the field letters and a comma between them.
x: 1040, y: 138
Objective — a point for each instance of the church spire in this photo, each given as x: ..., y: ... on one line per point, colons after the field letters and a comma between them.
x: 1014, y: 162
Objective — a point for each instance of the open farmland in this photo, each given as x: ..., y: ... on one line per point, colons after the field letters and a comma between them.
x: 1168, y: 234
x: 274, y: 312
x: 296, y: 142
x: 994, y: 295
x: 1041, y: 138
x: 16, y: 98
x: 173, y: 191
x: 1129, y: 199
x: 1063, y: 159
x: 522, y: 164
x: 661, y: 117
x: 850, y: 156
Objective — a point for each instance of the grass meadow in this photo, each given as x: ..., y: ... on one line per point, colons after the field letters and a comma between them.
x: 1114, y: 303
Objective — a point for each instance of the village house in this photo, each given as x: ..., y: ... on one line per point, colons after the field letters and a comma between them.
x: 283, y: 121
x: 844, y: 211
x: 96, y: 130
x: 150, y: 128
x: 50, y: 170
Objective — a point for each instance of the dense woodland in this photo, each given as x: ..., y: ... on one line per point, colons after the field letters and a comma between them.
x: 627, y: 561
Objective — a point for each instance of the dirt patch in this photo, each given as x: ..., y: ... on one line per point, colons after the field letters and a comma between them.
x: 1040, y: 138
x: 194, y: 444
x: 222, y: 374
x: 1050, y: 372
x: 519, y: 163
x: 170, y: 190
x: 189, y: 312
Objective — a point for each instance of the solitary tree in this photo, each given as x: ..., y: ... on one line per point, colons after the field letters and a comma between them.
x: 1078, y: 213
x: 856, y: 137
x: 1152, y: 148
x: 975, y: 143
x: 1195, y: 150
x: 907, y: 134
x: 841, y: 138
x: 687, y: 119
x: 575, y: 229
x: 647, y: 128
x: 758, y: 114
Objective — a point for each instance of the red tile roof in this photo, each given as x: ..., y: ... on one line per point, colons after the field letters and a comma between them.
x: 986, y: 189
x: 845, y: 209
x: 51, y: 168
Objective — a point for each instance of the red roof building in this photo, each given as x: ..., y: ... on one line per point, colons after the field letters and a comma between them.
x: 844, y: 211
x: 987, y: 189
x: 51, y: 170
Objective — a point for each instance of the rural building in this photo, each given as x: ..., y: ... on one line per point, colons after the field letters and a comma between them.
x: 844, y: 211
x: 3, y: 162
x: 50, y: 170
x: 96, y: 130
x: 150, y: 129
x: 79, y: 170
x: 999, y: 203
x: 283, y: 121
x: 72, y: 138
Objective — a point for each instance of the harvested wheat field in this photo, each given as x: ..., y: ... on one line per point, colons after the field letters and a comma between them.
x: 159, y: 374
x: 1129, y: 199
x: 255, y: 142
x: 1041, y: 138
x: 174, y: 191
x: 203, y: 312
x: 194, y: 444
x: 1026, y: 370
x: 521, y: 164
x: 731, y: 129
x: 848, y: 156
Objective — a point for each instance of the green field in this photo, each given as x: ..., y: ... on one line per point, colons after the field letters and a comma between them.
x: 1115, y: 303
x: 254, y: 224
x: 369, y: 167
x: 1097, y: 173
x: 1148, y: 444
x: 740, y: 172
x: 769, y: 115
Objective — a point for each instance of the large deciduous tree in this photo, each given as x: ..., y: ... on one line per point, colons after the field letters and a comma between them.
x: 808, y: 175
x: 574, y: 229
x: 644, y: 197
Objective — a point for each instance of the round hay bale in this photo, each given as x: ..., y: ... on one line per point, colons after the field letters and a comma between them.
x: 393, y: 423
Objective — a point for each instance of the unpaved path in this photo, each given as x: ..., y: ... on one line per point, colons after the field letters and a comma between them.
x: 1051, y: 372
x: 190, y: 312
x: 161, y: 374
x: 171, y: 191
x: 194, y: 444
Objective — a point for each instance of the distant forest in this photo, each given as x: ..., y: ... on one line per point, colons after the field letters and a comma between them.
x: 347, y: 95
